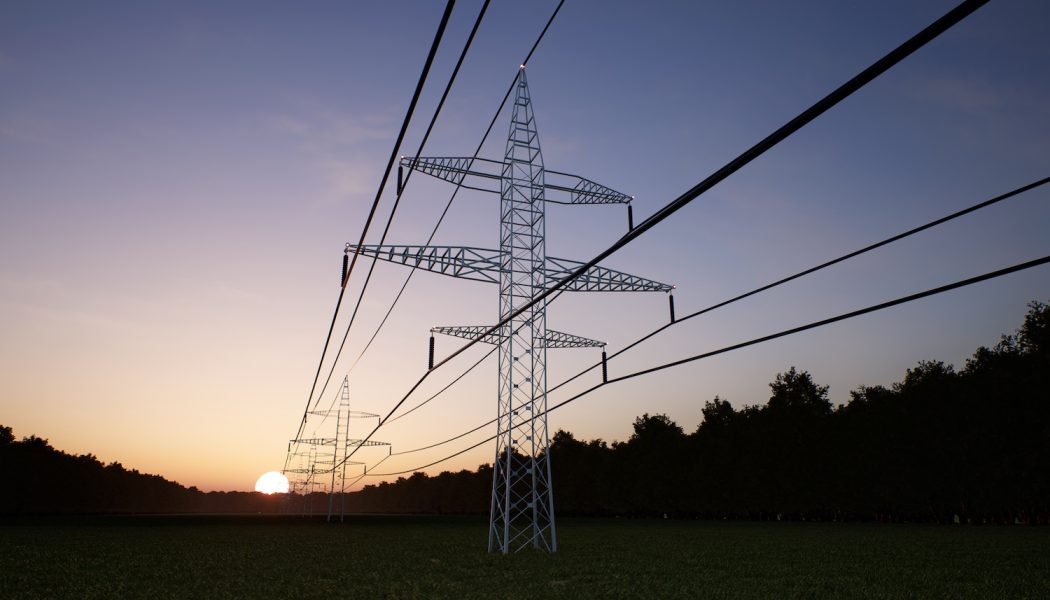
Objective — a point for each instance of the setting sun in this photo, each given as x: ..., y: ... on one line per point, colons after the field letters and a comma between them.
x: 272, y: 483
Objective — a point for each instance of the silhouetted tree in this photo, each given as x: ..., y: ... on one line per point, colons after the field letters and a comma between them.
x: 717, y: 413
x: 938, y: 445
x: 795, y: 391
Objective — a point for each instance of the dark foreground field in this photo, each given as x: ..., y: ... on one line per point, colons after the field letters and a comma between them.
x: 406, y: 557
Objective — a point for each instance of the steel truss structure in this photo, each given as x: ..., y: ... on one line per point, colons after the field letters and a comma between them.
x: 313, y: 461
x: 553, y: 339
x: 522, y: 506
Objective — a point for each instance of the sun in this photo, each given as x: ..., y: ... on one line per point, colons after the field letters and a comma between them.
x: 272, y: 483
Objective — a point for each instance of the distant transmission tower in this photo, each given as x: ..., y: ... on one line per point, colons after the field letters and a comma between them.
x: 522, y: 508
x: 309, y: 467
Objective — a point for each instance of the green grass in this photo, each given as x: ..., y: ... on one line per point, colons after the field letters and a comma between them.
x: 410, y: 557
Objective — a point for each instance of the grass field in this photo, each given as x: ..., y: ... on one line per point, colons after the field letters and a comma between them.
x: 426, y: 557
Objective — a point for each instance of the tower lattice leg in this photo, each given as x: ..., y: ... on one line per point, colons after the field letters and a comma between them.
x: 522, y: 509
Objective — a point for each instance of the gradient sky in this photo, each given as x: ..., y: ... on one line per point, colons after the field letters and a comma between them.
x: 177, y: 182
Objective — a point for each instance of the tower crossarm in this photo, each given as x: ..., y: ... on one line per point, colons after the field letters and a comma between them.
x: 364, y: 443
x: 557, y: 339
x: 484, y: 175
x: 323, y: 413
x: 477, y: 264
x: 329, y: 465
x: 599, y: 279
x: 554, y: 339
x: 565, y: 188
x: 479, y: 174
x: 472, y: 332
x: 480, y: 264
x: 316, y: 441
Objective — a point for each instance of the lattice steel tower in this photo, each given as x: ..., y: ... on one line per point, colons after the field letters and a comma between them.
x: 522, y: 508
x: 308, y: 462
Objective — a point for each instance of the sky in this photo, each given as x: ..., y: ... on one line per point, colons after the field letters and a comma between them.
x: 178, y: 181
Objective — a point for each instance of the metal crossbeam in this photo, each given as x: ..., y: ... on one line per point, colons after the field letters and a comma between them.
x: 599, y: 279
x: 316, y: 441
x: 318, y: 471
x: 310, y: 465
x: 484, y: 175
x: 353, y: 414
x: 481, y: 264
x: 557, y: 339
x: 472, y: 332
x: 521, y: 513
x: 368, y: 443
x: 554, y: 339
x: 477, y: 264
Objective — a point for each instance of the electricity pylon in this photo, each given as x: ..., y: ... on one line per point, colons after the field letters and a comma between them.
x: 306, y: 476
x: 522, y: 508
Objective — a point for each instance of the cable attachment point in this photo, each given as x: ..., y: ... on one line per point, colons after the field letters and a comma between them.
x: 346, y: 265
x: 670, y: 299
x: 630, y: 217
x: 605, y: 368
x: 400, y: 179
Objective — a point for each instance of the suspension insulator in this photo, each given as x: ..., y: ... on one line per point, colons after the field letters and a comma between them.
x: 400, y: 179
x: 430, y: 363
x: 346, y: 265
x: 605, y: 368
x: 630, y: 218
x: 670, y: 298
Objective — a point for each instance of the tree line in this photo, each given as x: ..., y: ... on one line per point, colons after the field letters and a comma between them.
x: 939, y: 446
x: 38, y: 479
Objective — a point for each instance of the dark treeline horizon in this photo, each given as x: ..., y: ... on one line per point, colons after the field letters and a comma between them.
x: 941, y: 445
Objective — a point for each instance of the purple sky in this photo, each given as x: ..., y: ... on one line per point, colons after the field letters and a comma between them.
x: 177, y: 182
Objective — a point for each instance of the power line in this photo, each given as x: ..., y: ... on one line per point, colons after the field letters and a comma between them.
x: 448, y: 205
x: 842, y: 317
x: 820, y: 107
x: 488, y: 130
x: 364, y: 474
x: 458, y: 186
x: 452, y: 383
x: 855, y: 253
x: 877, y: 68
x: 819, y: 267
x: 379, y: 193
x: 451, y: 439
x: 400, y: 191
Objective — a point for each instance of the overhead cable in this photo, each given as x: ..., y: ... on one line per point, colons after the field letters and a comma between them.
x: 379, y: 193
x: 855, y: 253
x: 458, y: 186
x: 819, y: 267
x: 400, y: 191
x: 842, y: 317
x: 877, y: 68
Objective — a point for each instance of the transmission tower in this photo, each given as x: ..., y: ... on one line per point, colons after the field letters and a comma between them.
x: 522, y: 507
x: 314, y: 463
x: 303, y: 475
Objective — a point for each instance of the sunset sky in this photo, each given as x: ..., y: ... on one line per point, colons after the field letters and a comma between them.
x: 178, y: 180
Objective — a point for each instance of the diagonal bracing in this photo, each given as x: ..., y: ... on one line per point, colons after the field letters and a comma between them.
x: 554, y: 339
x: 522, y: 505
x: 481, y: 264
